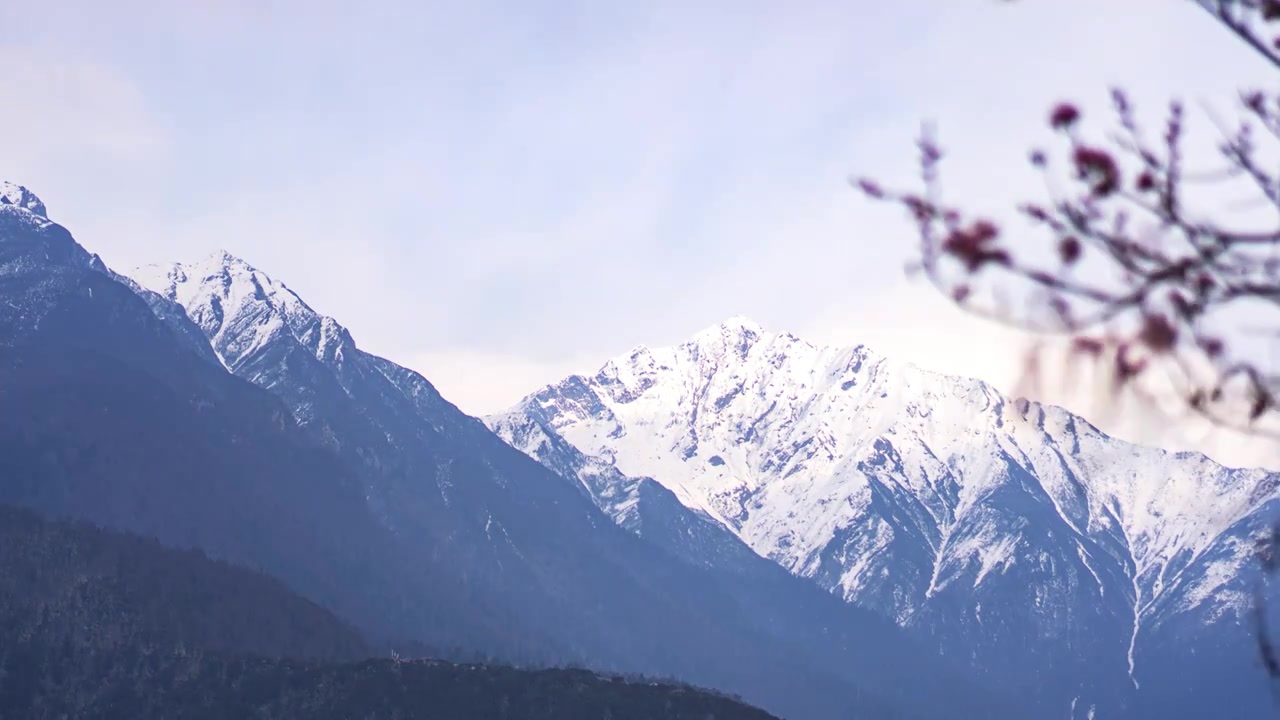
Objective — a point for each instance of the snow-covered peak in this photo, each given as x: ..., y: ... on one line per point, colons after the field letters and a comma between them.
x: 220, y: 265
x: 242, y: 309
x: 225, y: 275
x: 18, y: 196
x: 737, y: 334
x: 735, y: 326
x: 850, y: 468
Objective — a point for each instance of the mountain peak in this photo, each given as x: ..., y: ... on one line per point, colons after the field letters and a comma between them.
x: 932, y: 499
x: 219, y: 267
x: 225, y: 258
x: 222, y: 261
x: 735, y: 331
x: 19, y: 196
x: 741, y: 324
x: 241, y: 308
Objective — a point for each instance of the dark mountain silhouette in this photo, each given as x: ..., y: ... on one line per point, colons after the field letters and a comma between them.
x: 99, y: 624
x: 72, y: 585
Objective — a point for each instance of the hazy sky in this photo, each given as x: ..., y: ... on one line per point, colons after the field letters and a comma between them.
x: 499, y: 193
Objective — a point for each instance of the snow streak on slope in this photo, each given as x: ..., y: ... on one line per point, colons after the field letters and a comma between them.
x: 933, y: 499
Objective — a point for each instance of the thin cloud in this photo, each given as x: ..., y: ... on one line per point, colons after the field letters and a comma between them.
x: 524, y: 189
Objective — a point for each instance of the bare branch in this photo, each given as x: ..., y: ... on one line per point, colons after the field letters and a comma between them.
x: 1125, y: 265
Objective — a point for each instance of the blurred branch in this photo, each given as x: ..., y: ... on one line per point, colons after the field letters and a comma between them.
x: 1128, y: 269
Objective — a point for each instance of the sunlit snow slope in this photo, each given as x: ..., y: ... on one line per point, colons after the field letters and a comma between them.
x: 1016, y: 534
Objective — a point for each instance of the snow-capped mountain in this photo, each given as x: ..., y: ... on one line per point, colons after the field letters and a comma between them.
x: 1017, y: 534
x: 532, y: 550
x: 22, y: 198
x: 109, y: 415
x: 780, y: 493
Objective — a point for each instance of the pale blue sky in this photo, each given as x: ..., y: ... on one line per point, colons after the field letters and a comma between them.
x: 499, y: 193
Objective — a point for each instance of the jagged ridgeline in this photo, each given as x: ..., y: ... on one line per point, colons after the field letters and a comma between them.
x: 1088, y: 573
x: 216, y: 410
x: 824, y: 531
